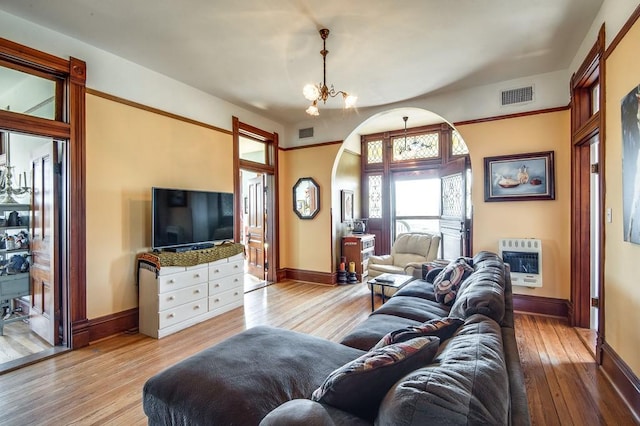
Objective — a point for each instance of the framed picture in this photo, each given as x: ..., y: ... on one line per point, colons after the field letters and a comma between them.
x: 630, y: 109
x: 519, y: 177
x: 347, y: 205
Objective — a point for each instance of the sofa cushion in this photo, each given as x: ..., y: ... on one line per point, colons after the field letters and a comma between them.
x: 359, y: 386
x: 467, y: 384
x: 443, y: 328
x: 369, y: 332
x: 241, y: 379
x: 413, y: 308
x: 304, y: 412
x: 418, y: 288
x: 480, y: 294
x: 448, y: 281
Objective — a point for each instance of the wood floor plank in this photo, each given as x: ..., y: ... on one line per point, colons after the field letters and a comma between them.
x: 102, y: 384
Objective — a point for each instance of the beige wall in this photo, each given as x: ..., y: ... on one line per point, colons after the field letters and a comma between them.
x: 347, y: 177
x: 548, y: 221
x: 129, y: 150
x: 621, y: 292
x: 306, y: 244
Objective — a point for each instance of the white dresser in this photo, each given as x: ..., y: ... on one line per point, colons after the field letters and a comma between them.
x: 173, y: 298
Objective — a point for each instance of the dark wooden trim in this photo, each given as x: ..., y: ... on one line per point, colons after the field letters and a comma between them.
x: 312, y: 145
x: 156, y: 111
x: 623, y: 379
x: 327, y: 278
x: 541, y: 305
x: 27, y: 56
x: 76, y: 224
x: 71, y: 256
x: 509, y: 116
x: 623, y: 32
x: 108, y: 325
x: 270, y: 169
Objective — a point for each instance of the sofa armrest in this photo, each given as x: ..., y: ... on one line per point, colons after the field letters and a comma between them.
x: 385, y: 259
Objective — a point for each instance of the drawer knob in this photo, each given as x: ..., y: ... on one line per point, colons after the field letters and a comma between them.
x: 217, y: 300
x: 216, y: 285
x: 216, y: 270
x: 197, y: 275
x: 236, y: 280
x: 236, y: 266
x: 196, y: 307
x: 235, y: 294
x: 171, y: 281
x: 171, y: 315
x: 197, y: 291
x: 171, y: 298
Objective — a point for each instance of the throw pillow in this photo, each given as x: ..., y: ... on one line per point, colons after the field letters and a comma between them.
x: 447, y: 283
x: 441, y: 328
x: 359, y: 386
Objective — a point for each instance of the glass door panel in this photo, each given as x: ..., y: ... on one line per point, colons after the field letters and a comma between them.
x: 416, y: 204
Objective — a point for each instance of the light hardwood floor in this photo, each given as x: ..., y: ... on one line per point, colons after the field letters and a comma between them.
x: 102, y: 383
x: 18, y: 341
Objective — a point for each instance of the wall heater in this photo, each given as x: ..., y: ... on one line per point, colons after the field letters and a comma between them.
x: 524, y: 256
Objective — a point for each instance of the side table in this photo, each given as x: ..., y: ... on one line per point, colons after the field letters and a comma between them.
x: 396, y: 281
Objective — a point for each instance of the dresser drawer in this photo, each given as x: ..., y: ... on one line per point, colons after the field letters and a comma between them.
x: 182, y: 313
x: 179, y: 297
x: 225, y: 298
x: 225, y: 283
x: 180, y: 280
x: 225, y: 269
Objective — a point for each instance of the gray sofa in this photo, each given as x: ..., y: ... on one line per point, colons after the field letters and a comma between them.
x: 267, y: 375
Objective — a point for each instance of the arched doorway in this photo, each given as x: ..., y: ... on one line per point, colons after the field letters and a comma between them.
x: 428, y: 162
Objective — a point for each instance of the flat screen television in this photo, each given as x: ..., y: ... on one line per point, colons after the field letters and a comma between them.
x: 190, y: 219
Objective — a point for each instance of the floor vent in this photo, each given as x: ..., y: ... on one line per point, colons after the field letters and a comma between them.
x: 517, y: 96
x: 305, y: 133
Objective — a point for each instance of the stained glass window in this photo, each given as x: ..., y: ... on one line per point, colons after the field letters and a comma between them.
x: 375, y: 196
x: 416, y: 147
x: 374, y: 152
x: 458, y: 147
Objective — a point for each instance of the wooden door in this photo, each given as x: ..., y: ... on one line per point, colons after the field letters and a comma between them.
x: 45, y: 312
x: 255, y: 227
x: 454, y: 224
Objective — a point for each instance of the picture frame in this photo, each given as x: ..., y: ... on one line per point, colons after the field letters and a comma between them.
x: 520, y: 177
x: 346, y: 212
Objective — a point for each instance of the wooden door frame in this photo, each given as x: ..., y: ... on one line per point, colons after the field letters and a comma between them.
x: 270, y: 169
x: 73, y: 199
x: 584, y: 127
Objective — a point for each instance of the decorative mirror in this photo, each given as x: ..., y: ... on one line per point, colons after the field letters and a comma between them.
x: 306, y: 198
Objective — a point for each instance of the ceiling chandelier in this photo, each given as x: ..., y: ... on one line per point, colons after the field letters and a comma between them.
x: 414, y: 145
x: 320, y: 92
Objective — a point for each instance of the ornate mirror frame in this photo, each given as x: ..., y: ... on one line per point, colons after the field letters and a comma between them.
x: 306, y: 198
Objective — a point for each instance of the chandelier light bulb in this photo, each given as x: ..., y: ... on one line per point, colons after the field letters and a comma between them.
x: 311, y: 92
x: 313, y: 109
x: 350, y: 100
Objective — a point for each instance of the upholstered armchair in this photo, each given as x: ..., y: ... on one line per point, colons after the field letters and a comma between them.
x: 408, y: 253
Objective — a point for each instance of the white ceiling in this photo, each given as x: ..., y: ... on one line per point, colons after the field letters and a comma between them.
x: 258, y: 54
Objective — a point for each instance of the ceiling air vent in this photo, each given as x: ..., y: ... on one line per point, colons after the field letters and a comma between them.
x: 517, y: 96
x: 305, y: 133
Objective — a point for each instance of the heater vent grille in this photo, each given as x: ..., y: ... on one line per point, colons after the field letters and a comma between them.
x: 305, y: 133
x: 517, y: 96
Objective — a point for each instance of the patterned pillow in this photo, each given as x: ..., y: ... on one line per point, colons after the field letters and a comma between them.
x: 359, y: 386
x: 441, y: 328
x: 447, y: 283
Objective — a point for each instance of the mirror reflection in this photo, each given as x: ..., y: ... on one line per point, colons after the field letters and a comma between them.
x: 306, y: 198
